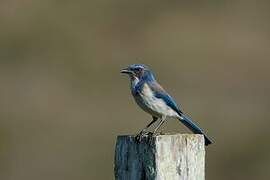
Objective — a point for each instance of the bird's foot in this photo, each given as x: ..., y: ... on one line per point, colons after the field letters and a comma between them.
x: 142, y: 134
x: 152, y: 136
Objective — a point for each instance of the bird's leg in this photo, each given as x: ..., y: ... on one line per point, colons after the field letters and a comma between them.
x: 160, y: 124
x: 162, y: 120
x: 144, y: 132
x: 152, y: 122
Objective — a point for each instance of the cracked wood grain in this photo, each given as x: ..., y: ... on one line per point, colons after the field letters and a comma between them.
x: 162, y: 157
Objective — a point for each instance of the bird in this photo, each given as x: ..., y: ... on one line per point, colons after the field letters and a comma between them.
x: 153, y: 99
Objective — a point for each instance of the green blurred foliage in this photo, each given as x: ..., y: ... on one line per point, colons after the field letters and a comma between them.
x: 63, y: 100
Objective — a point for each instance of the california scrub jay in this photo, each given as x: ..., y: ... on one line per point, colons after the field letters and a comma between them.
x: 153, y: 99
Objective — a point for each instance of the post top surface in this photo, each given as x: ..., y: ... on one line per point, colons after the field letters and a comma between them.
x: 166, y: 135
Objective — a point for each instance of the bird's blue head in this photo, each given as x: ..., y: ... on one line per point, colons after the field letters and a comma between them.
x: 138, y: 71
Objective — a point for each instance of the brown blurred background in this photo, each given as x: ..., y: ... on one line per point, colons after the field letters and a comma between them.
x: 63, y: 100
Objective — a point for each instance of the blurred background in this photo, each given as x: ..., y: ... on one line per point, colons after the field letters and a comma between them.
x: 63, y: 100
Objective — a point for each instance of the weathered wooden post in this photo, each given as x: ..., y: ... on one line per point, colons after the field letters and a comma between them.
x: 162, y: 157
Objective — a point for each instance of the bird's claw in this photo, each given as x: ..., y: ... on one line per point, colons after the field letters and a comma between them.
x: 142, y: 134
x: 151, y: 138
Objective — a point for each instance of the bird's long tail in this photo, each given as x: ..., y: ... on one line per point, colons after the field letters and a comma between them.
x: 194, y: 128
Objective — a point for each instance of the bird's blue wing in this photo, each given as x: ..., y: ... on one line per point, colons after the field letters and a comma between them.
x: 169, y: 101
x: 160, y: 93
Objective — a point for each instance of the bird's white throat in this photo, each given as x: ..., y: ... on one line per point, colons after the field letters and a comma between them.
x: 133, y: 82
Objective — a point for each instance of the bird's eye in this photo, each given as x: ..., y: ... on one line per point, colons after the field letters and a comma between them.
x: 137, y: 69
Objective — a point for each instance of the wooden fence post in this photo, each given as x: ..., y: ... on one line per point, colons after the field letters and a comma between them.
x: 162, y: 157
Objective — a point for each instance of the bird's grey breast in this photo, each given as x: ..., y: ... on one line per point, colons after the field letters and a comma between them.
x: 146, y: 99
x: 142, y: 97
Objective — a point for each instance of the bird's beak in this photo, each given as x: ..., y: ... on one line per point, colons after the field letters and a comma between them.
x: 126, y: 71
